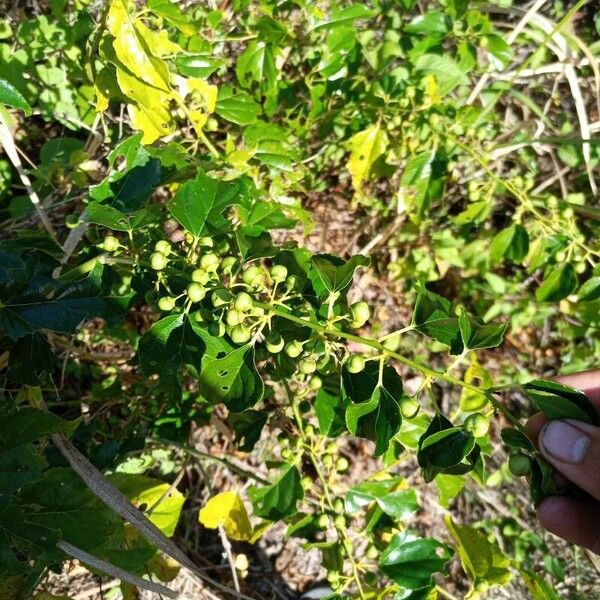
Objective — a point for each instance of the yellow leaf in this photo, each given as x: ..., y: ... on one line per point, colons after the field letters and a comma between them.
x: 432, y: 90
x: 158, y: 42
x: 199, y: 98
x: 365, y: 148
x: 476, y: 375
x: 131, y: 50
x: 227, y: 509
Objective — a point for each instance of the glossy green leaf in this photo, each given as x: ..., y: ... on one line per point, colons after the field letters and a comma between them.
x: 477, y: 335
x: 388, y: 494
x: 237, y: 107
x: 411, y: 562
x: 559, y: 282
x: 331, y: 274
x: 343, y: 16
x: 558, y: 401
x: 330, y: 408
x: 257, y: 65
x: 11, y: 96
x: 431, y: 21
x: 423, y: 181
x: 446, y: 71
x: 511, y: 243
x: 248, y: 426
x: 199, y: 65
x: 516, y: 439
x: 537, y: 586
x: 278, y: 501
x: 590, y: 290
x: 449, y: 487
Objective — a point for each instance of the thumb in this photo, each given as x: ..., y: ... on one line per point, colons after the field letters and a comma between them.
x: 573, y: 448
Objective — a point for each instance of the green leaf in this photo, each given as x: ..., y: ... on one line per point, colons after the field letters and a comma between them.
x: 374, y: 410
x: 199, y: 65
x: 248, y: 426
x: 330, y: 408
x: 446, y: 71
x: 343, y: 16
x: 423, y: 181
x: 173, y: 14
x: 449, y: 486
x: 167, y: 346
x: 199, y: 205
x: 431, y: 21
x: 330, y: 274
x: 434, y: 316
x: 388, y: 494
x: 411, y: 561
x: 365, y: 148
x: 558, y: 401
x: 278, y: 501
x: 558, y: 283
x: 257, y: 65
x: 538, y: 587
x: 511, y: 243
x: 107, y: 216
x: 499, y: 52
x: 477, y: 335
x: 590, y: 290
x: 11, y: 96
x: 515, y: 439
x: 27, y: 425
x: 237, y: 107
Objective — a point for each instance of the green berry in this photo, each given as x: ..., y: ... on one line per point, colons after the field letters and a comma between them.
x: 340, y: 521
x: 327, y: 461
x: 228, y: 264
x: 195, y: 292
x: 308, y: 365
x: 72, y: 221
x: 360, y: 312
x: 200, y: 276
x: 210, y: 262
x: 251, y: 274
x: 158, y: 261
x: 341, y: 464
x: 519, y: 465
x: 338, y: 505
x: 241, y: 334
x: 243, y: 302
x: 274, y: 343
x: 372, y: 552
x: 110, y: 243
x: 220, y: 297
x: 309, y: 430
x: 286, y: 453
x: 293, y: 349
x: 292, y: 283
x: 189, y: 239
x: 206, y: 241
x: 409, y: 408
x: 234, y: 317
x: 323, y: 521
x: 477, y: 424
x: 315, y: 383
x: 355, y: 364
x: 166, y: 303
x: 222, y: 247
x: 163, y: 246
x: 279, y: 273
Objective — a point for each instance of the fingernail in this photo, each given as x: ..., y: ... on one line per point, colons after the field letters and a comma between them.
x: 564, y: 442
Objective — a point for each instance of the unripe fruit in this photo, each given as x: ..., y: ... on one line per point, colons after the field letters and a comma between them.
x: 323, y: 521
x: 308, y: 365
x: 222, y: 247
x: 158, y: 261
x: 293, y: 349
x: 200, y: 276
x: 292, y: 282
x: 360, y: 312
x: 72, y: 221
x: 228, y: 264
x: 241, y: 334
x: 519, y: 465
x: 274, y: 343
x: 279, y: 273
x: 327, y: 461
x: 477, y: 423
x: 220, y: 298
x: 217, y: 329
x: 372, y: 552
x: 355, y: 364
x: 340, y: 521
x: 234, y: 317
x: 251, y: 274
x: 309, y: 430
x: 211, y: 124
x: 166, y: 303
x: 243, y: 302
x: 315, y: 383
x: 286, y: 453
x: 195, y: 292
x: 163, y: 247
x: 189, y: 239
x: 210, y: 262
x: 206, y: 241
x: 409, y: 408
x: 338, y: 505
x: 341, y: 464
x: 110, y: 243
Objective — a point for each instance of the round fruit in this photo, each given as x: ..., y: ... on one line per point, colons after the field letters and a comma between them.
x: 274, y: 343
x: 323, y: 521
x: 241, y: 334
x: 166, y: 303
x: 195, y: 292
x: 360, y: 312
x: 220, y: 298
x: 477, y: 424
x: 308, y: 365
x: 210, y: 262
x: 189, y: 239
x: 409, y: 408
x: 228, y: 264
x: 234, y: 317
x: 251, y: 274
x: 309, y: 430
x: 158, y: 261
x: 341, y: 464
x: 372, y: 552
x: 293, y: 349
x: 292, y: 282
x: 519, y: 465
x: 163, y: 247
x: 222, y: 247
x: 243, y: 302
x: 211, y: 124
x: 200, y: 276
x: 279, y: 273
x: 340, y: 521
x: 110, y: 243
x: 355, y: 364
x: 72, y: 221
x: 286, y: 453
x: 327, y: 461
x: 315, y: 383
x: 206, y: 242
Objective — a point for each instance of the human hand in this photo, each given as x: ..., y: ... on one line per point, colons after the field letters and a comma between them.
x: 573, y: 449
